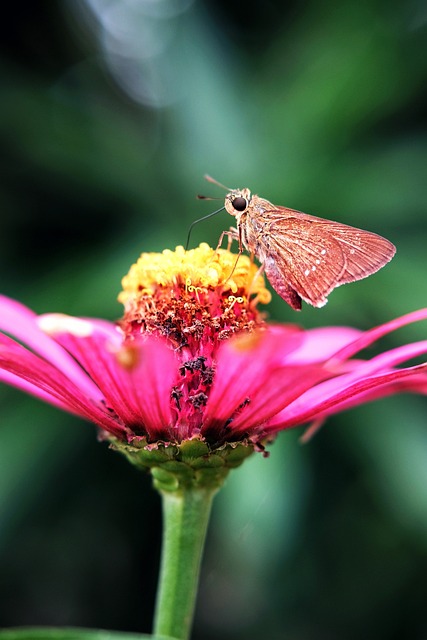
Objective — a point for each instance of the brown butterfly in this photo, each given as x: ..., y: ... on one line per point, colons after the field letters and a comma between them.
x: 304, y: 257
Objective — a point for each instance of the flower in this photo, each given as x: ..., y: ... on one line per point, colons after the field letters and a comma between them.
x: 194, y: 360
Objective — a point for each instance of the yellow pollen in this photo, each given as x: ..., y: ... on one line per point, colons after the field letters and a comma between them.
x: 128, y: 357
x: 247, y: 341
x: 198, y: 269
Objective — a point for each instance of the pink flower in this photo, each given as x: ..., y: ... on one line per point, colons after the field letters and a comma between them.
x: 193, y: 358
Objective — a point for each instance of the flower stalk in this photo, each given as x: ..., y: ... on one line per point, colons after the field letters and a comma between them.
x: 187, y: 477
x: 185, y: 521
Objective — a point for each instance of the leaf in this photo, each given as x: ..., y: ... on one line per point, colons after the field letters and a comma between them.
x: 29, y: 633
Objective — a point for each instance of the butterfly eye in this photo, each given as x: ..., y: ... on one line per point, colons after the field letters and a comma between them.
x: 240, y: 203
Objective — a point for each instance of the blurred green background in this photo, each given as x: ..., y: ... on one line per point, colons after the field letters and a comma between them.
x: 111, y: 111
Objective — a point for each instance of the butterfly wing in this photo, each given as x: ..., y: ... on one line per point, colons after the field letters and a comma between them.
x: 306, y: 256
x: 365, y: 252
x: 302, y: 257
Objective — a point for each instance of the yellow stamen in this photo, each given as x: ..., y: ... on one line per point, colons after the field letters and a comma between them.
x: 197, y: 269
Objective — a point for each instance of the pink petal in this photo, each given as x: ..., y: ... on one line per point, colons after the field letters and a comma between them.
x: 22, y: 323
x: 136, y: 380
x: 152, y: 381
x: 334, y: 395
x: 391, y: 358
x: 283, y: 387
x: 370, y: 336
x: 247, y: 369
x: 309, y: 406
x: 53, y: 384
x: 416, y: 383
x: 16, y: 381
x: 320, y: 344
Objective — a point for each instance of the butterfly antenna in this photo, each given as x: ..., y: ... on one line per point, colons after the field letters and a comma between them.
x: 199, y: 197
x: 218, y: 184
x: 200, y: 220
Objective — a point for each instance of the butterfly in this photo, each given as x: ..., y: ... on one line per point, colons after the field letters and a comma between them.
x: 304, y: 257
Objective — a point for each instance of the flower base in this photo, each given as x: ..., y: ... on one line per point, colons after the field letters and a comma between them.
x: 189, y: 464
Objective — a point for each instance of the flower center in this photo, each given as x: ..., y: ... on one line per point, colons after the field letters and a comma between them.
x: 195, y: 300
x: 192, y: 297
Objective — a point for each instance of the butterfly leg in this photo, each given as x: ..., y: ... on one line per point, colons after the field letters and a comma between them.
x: 232, y: 234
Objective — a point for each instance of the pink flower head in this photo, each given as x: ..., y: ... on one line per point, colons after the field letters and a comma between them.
x: 193, y: 358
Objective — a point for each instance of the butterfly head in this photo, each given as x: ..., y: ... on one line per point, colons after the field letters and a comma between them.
x: 237, y: 201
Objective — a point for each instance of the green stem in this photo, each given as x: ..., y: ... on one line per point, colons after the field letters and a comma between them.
x: 186, y: 516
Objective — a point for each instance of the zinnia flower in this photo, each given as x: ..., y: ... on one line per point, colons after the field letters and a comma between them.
x: 194, y: 360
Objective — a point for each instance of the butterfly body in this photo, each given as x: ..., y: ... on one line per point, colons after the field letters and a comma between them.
x: 304, y: 257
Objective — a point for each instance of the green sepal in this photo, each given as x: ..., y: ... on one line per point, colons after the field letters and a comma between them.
x: 189, y: 464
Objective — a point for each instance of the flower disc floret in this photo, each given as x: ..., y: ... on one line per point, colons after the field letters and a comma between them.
x: 200, y: 268
x: 193, y: 298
